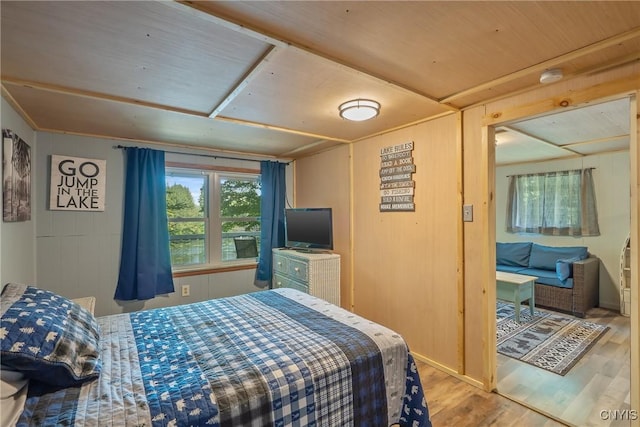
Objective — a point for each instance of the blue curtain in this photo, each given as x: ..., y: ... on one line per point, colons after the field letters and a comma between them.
x: 272, y: 176
x: 145, y: 262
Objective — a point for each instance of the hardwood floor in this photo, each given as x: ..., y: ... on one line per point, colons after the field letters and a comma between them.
x: 598, y: 382
x: 453, y: 402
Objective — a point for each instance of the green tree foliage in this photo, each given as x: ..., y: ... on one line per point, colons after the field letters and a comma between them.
x: 180, y: 204
x: 240, y: 199
x: 240, y: 204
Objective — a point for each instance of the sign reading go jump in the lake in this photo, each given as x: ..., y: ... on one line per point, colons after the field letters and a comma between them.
x: 77, y: 184
x: 396, y: 178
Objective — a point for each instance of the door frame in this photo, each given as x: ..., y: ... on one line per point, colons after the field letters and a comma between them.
x: 610, y: 91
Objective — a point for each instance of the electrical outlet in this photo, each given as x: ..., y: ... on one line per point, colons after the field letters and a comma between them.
x: 186, y: 290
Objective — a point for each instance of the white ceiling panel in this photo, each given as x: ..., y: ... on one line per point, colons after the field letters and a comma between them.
x: 597, y: 128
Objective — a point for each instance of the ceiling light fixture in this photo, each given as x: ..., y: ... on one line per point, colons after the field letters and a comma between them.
x: 550, y: 76
x: 359, y: 109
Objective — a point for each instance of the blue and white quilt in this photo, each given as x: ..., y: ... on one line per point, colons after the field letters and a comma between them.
x: 271, y: 358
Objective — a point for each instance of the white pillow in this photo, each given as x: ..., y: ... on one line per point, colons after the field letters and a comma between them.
x: 13, y: 394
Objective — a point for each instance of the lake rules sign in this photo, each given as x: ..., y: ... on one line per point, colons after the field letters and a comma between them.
x: 396, y: 178
x: 77, y: 184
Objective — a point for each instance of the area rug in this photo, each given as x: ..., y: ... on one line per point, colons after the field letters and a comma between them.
x: 548, y: 340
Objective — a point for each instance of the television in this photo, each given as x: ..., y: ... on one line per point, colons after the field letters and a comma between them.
x: 308, y: 229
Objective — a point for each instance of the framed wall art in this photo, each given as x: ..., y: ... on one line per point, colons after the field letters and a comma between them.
x: 16, y: 178
x: 77, y: 184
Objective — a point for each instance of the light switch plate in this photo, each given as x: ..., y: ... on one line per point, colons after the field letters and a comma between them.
x: 467, y: 213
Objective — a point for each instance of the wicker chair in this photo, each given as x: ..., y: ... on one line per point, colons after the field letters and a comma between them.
x: 577, y: 300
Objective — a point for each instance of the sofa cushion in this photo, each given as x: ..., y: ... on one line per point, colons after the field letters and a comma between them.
x: 547, y: 277
x: 509, y: 268
x: 545, y: 257
x: 516, y: 254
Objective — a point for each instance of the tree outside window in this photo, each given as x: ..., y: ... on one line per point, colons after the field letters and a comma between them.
x: 206, y: 211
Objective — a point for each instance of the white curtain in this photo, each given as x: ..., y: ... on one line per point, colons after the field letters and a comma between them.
x: 553, y: 203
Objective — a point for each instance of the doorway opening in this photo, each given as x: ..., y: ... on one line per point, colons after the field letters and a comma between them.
x: 575, y: 139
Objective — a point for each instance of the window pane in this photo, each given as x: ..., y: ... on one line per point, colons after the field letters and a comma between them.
x: 207, y: 210
x: 237, y: 229
x: 239, y: 212
x: 186, y: 195
x: 239, y: 197
x: 187, y: 241
x: 187, y: 213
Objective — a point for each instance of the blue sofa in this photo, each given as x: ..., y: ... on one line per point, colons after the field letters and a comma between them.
x: 568, y: 276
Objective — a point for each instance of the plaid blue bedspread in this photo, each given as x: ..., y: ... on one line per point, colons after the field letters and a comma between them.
x: 271, y: 358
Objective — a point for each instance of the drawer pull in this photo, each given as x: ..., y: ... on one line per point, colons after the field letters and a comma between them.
x: 296, y: 269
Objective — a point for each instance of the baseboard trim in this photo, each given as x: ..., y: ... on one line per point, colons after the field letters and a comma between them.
x: 609, y: 306
x: 448, y: 370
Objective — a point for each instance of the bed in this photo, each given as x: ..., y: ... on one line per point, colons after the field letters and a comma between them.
x: 270, y: 358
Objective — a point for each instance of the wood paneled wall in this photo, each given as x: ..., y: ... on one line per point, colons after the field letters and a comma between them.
x: 406, y: 263
x: 324, y: 180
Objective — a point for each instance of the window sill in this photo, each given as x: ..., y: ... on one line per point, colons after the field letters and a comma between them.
x: 197, y: 271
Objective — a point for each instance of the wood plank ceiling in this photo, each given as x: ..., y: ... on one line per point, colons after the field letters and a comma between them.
x: 266, y: 78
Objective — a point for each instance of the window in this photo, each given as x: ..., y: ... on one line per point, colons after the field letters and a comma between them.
x: 206, y: 210
x: 553, y: 203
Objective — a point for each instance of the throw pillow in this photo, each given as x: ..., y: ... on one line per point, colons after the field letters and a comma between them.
x: 48, y: 337
x: 564, y: 268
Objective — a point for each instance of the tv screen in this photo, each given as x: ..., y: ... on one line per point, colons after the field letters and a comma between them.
x: 308, y: 228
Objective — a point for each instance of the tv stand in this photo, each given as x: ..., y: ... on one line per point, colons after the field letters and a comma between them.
x: 312, y: 272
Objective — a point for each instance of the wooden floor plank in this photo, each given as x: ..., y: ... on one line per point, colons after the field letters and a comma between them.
x: 453, y: 402
x: 598, y: 382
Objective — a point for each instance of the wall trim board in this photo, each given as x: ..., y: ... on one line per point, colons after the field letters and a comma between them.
x: 185, y: 165
x: 568, y: 99
x: 404, y: 126
x: 488, y: 271
x: 352, y: 304
x: 214, y: 270
x: 447, y: 370
x: 460, y: 239
x: 634, y: 156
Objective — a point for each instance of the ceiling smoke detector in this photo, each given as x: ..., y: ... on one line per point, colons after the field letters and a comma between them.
x: 552, y: 75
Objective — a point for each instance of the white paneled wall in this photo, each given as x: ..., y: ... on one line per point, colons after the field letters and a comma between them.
x: 78, y: 253
x: 17, y: 251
